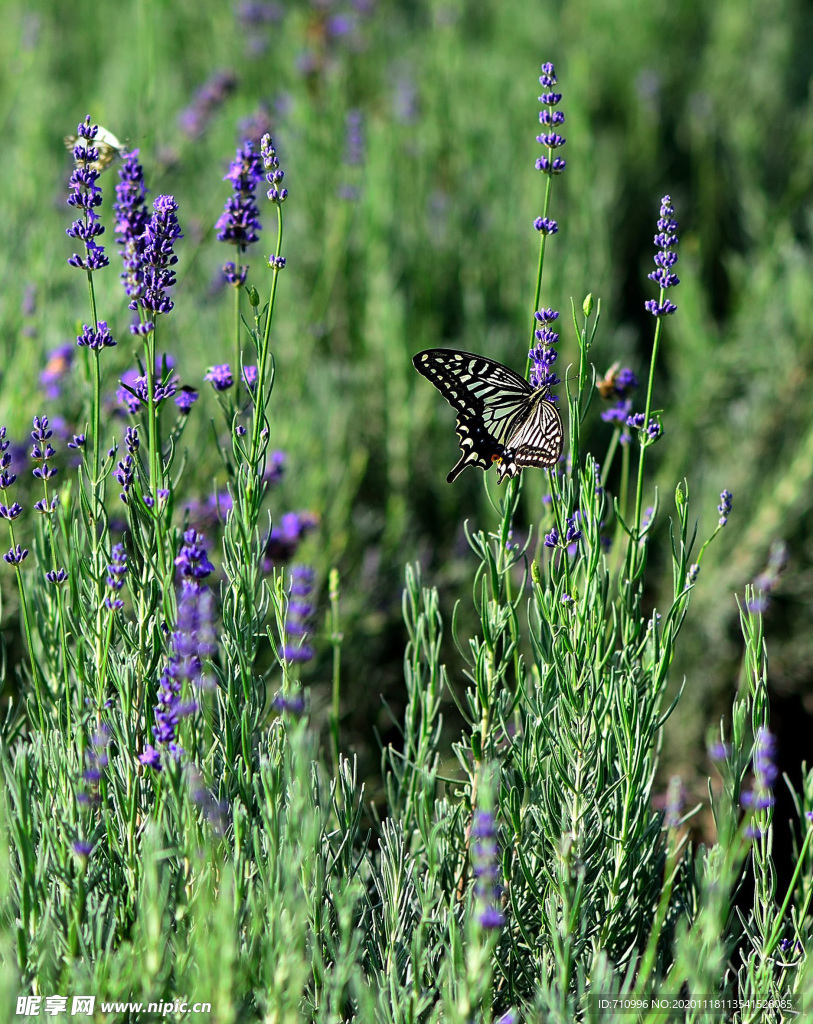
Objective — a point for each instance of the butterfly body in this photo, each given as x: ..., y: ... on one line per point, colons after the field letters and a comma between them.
x: 501, y: 419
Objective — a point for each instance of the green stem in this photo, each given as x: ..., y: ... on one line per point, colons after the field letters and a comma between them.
x: 639, y: 490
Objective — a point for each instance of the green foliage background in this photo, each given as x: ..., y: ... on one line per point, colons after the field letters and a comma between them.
x: 710, y: 103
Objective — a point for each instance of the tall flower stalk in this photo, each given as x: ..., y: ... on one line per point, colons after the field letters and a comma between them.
x: 239, y: 225
x: 665, y: 258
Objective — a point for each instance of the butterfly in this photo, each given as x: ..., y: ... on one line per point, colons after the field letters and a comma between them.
x: 500, y: 418
x: 106, y: 145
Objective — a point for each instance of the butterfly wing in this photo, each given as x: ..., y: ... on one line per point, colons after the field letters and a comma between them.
x: 536, y: 440
x: 490, y: 401
x: 106, y: 145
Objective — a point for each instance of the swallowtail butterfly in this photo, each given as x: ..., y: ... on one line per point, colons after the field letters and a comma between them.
x: 500, y: 418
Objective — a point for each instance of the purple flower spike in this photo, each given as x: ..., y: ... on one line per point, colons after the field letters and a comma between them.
x: 151, y: 276
x: 298, y: 625
x: 550, y: 119
x: 274, y: 175
x: 761, y: 796
x: 543, y: 355
x: 724, y: 508
x: 485, y: 868
x: 86, y: 196
x: 239, y: 224
x: 56, y: 369
x: 192, y: 562
x: 132, y: 217
x: 220, y: 376
x: 16, y: 555
x: 665, y: 258
x: 115, y: 579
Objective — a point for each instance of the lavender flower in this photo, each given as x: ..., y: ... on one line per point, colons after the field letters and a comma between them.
x: 41, y: 450
x: 724, y: 508
x: 543, y: 355
x: 220, y: 376
x: 286, y: 536
x: 275, y: 469
x: 57, y: 576
x: 192, y: 562
x: 718, y: 751
x: 186, y: 398
x: 239, y: 224
x: 760, y: 797
x: 16, y: 554
x: 158, y: 258
x: 235, y: 275
x: 767, y: 581
x: 115, y: 578
x: 250, y: 377
x: 550, y: 119
x: 666, y: 240
x: 617, y: 383
x: 546, y: 226
x: 87, y: 197
x: 618, y: 413
x: 195, y: 638
x: 485, y: 867
x: 193, y: 641
x: 293, y: 703
x: 56, y: 369
x: 97, y: 338
x: 194, y: 119
x: 273, y: 175
x: 125, y: 474
x: 132, y: 218
x: 300, y: 611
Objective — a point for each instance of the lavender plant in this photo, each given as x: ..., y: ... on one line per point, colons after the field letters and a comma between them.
x: 172, y: 826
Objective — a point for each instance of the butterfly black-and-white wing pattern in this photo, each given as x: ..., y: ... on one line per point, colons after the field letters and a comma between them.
x: 500, y: 418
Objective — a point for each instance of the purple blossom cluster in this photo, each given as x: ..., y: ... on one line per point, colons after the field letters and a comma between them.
x: 665, y: 258
x: 193, y: 641
x: 132, y: 218
x: 486, y: 870
x: 300, y: 611
x: 86, y: 196
x: 543, y: 355
x: 767, y: 581
x: 286, y: 536
x: 57, y: 367
x: 96, y: 758
x: 41, y: 450
x: 724, y: 508
x: 95, y: 338
x: 760, y: 796
x: 618, y: 384
x: 193, y: 562
x: 157, y: 260
x: 551, y: 119
x: 116, y: 571
x: 133, y: 390
x: 220, y: 377
x: 194, y: 119
x: 239, y: 224
x: 273, y: 176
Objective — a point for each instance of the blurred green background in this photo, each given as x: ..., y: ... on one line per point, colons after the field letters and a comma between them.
x: 419, y: 233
